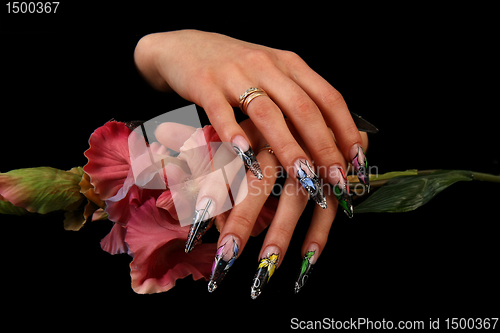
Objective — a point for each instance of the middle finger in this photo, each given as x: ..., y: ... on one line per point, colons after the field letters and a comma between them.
x: 269, y: 120
x: 238, y: 227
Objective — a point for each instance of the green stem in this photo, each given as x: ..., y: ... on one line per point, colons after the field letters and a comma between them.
x: 485, y: 177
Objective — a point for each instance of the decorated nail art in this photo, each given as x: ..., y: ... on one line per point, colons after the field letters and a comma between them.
x: 310, y: 182
x: 361, y: 166
x: 201, y: 220
x: 341, y: 189
x: 363, y: 124
x: 243, y: 150
x: 267, y: 266
x: 305, y: 270
x: 224, y: 258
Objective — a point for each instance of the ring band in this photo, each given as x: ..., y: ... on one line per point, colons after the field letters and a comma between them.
x: 268, y: 148
x: 248, y: 96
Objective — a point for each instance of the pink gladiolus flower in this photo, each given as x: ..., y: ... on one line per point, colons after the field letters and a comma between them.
x: 147, y: 222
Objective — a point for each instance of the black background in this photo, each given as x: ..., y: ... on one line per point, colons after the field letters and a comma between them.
x: 425, y: 77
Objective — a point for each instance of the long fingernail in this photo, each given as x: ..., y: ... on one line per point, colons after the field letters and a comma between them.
x: 360, y: 165
x: 224, y: 258
x: 201, y: 220
x: 266, y: 268
x: 338, y: 180
x: 267, y: 265
x: 306, y: 267
x: 242, y: 148
x: 310, y: 181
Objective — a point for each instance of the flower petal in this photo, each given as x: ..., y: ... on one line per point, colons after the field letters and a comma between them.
x: 109, y: 160
x: 158, y: 241
x: 196, y: 151
x: 182, y: 195
x: 210, y: 134
x: 114, y: 242
x: 121, y: 209
x: 88, y: 191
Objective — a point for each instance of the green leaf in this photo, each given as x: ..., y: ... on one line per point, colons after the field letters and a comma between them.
x: 393, y: 174
x: 303, y: 267
x: 41, y: 190
x: 406, y: 193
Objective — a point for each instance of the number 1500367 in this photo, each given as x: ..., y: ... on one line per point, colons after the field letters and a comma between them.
x: 32, y: 7
x: 471, y: 323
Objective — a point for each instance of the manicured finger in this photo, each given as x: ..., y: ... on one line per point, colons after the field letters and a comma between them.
x: 269, y: 120
x: 222, y: 118
x: 335, y: 112
x: 293, y: 200
x: 223, y: 176
x: 315, y: 241
x: 236, y: 230
x: 307, y: 119
x: 311, y: 127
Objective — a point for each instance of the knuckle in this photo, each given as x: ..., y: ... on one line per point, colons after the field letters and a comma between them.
x: 260, y: 112
x: 303, y: 106
x: 331, y: 97
x: 258, y: 57
x: 205, y: 76
x: 326, y: 150
x: 241, y: 220
x: 286, y: 146
x: 291, y: 57
x: 283, y: 231
x: 351, y: 128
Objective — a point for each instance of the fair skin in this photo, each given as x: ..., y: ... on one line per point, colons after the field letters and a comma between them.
x: 213, y: 70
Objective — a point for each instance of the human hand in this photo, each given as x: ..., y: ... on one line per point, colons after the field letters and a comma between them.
x: 237, y: 226
x: 213, y: 70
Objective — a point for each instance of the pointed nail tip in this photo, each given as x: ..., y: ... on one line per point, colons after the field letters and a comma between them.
x: 257, y: 173
x: 321, y: 201
x: 367, y: 185
x: 211, y: 287
x: 256, y: 170
x: 254, y: 294
x: 349, y: 212
x: 189, y: 245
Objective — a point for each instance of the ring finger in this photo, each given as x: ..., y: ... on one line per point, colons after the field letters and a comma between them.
x: 293, y: 200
